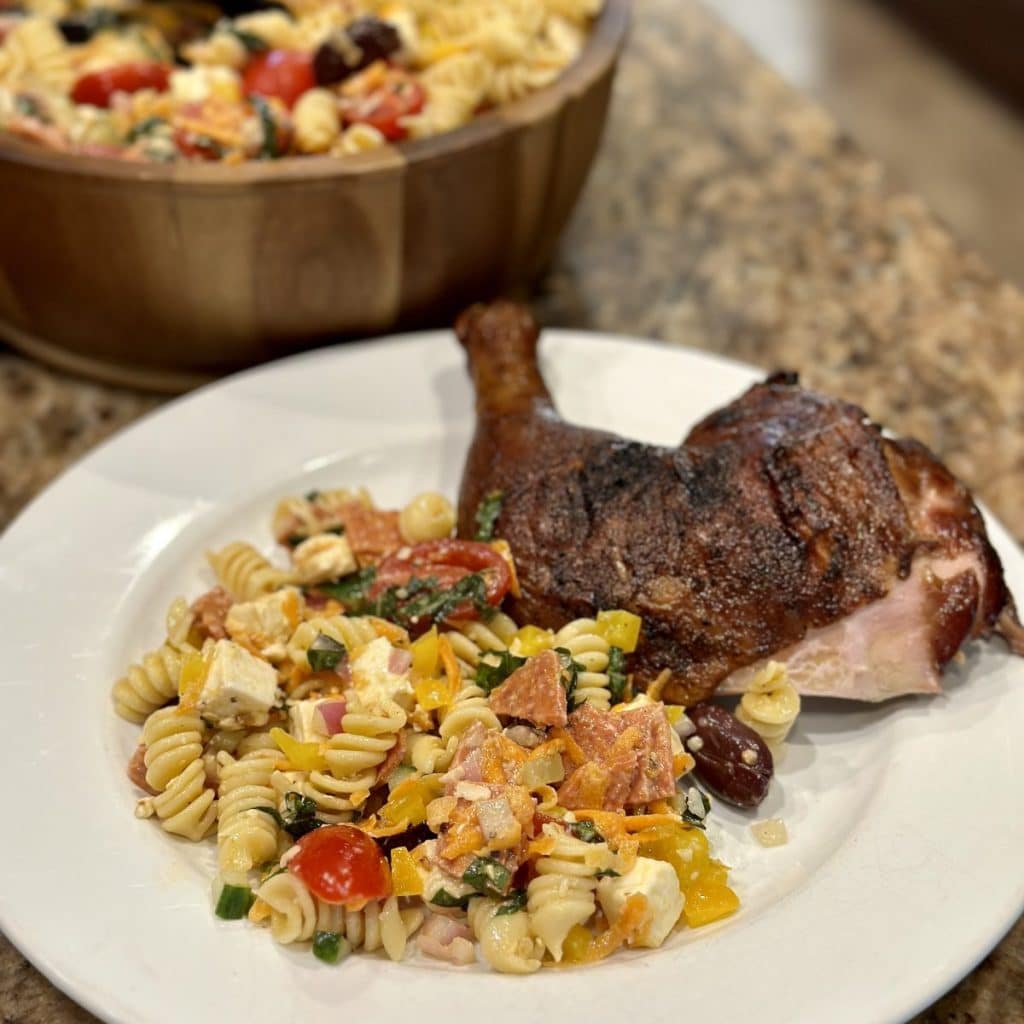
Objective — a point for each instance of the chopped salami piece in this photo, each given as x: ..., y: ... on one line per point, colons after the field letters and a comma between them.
x: 633, y: 749
x: 466, y: 762
x: 137, y: 769
x: 392, y: 761
x: 594, y: 731
x: 653, y: 778
x: 534, y: 692
x: 211, y: 612
x: 372, y: 532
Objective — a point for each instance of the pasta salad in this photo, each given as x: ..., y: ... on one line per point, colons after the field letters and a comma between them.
x: 387, y: 760
x: 179, y: 80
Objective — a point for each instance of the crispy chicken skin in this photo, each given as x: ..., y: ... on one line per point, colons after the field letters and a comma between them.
x: 770, y: 531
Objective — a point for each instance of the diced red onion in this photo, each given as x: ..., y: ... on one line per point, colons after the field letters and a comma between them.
x: 331, y: 713
x: 399, y: 661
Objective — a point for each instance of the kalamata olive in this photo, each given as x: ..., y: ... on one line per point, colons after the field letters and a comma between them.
x: 356, y: 47
x: 409, y: 838
x: 83, y: 25
x: 732, y: 760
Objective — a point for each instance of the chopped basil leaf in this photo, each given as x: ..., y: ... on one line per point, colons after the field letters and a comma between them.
x: 269, y: 149
x: 145, y: 127
x: 299, y: 815
x: 324, y: 653
x: 515, y: 902
x: 617, y: 673
x: 607, y: 873
x: 350, y: 590
x: 696, y: 819
x: 487, y: 513
x: 488, y: 876
x: 234, y: 902
x: 252, y: 43
x: 29, y: 106
x: 330, y: 947
x: 443, y: 898
x: 490, y: 675
x: 570, y: 674
x: 586, y: 831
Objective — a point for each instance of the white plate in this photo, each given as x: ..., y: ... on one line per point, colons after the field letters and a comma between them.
x: 906, y: 820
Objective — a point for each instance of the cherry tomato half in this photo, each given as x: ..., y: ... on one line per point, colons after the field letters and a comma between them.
x: 286, y: 74
x: 398, y: 96
x: 448, y: 561
x: 97, y: 87
x: 341, y: 864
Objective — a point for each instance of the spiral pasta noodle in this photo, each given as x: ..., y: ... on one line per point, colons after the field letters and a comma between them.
x: 354, y: 754
x: 505, y: 939
x: 471, y: 639
x: 243, y: 571
x: 187, y: 807
x: 293, y: 910
x: 246, y: 836
x: 34, y: 54
x: 149, y: 684
x: 428, y: 753
x: 297, y: 516
x: 470, y: 706
x: 590, y: 650
x: 380, y: 924
x: 562, y: 894
x: 771, y: 704
x: 173, y: 740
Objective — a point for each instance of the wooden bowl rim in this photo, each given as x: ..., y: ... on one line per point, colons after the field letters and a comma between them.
x: 603, y: 45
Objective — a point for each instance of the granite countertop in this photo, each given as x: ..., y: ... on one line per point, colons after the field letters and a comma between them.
x: 726, y: 212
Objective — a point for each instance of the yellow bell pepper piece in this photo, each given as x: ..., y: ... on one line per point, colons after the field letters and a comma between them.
x: 620, y: 629
x: 425, y: 654
x: 576, y: 948
x: 674, y: 712
x: 708, y: 900
x: 192, y: 678
x: 305, y: 757
x: 434, y: 693
x: 407, y: 804
x: 405, y: 876
x: 531, y: 640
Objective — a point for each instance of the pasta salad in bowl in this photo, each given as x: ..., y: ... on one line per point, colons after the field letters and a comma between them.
x: 386, y: 760
x: 163, y: 82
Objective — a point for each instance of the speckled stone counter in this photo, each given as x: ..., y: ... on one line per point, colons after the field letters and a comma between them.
x: 726, y: 212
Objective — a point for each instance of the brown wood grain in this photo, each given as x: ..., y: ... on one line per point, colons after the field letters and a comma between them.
x: 157, y: 275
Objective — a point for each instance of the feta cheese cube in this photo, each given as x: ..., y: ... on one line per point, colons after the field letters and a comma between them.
x: 305, y: 724
x: 375, y: 682
x: 198, y: 84
x: 239, y: 686
x: 264, y: 626
x: 324, y: 556
x: 654, y: 879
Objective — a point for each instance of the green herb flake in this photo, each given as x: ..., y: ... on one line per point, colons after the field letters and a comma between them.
x: 487, y: 513
x: 586, y: 831
x: 312, y: 495
x: 29, y: 106
x: 324, y: 653
x: 488, y: 876
x: 252, y: 42
x: 617, y: 674
x: 144, y: 128
x: 443, y: 898
x: 234, y: 902
x: 689, y: 818
x: 330, y: 947
x: 515, y: 902
x: 299, y: 815
x: 269, y: 150
x: 490, y: 675
x: 350, y: 590
x: 607, y: 873
x: 571, y: 670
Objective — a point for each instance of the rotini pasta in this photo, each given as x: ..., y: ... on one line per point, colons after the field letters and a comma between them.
x: 505, y: 940
x: 173, y: 740
x: 771, y: 704
x: 148, y: 684
x: 246, y: 835
x: 243, y: 571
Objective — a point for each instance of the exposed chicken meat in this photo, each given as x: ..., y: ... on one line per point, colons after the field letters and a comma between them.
x: 785, y: 526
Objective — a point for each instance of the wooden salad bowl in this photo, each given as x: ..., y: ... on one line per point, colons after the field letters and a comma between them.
x: 164, y: 276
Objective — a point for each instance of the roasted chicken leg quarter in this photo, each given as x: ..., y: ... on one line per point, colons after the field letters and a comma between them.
x: 785, y: 526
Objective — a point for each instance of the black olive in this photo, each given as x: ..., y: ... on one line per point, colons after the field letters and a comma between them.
x: 732, y: 760
x: 81, y: 27
x: 366, y: 40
